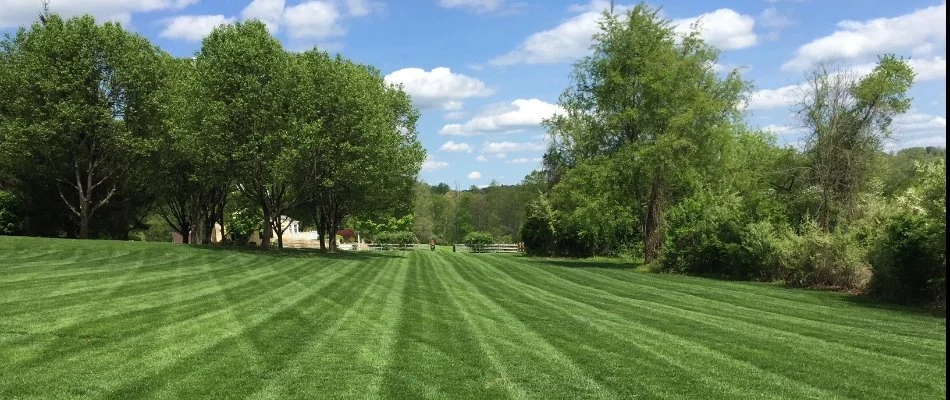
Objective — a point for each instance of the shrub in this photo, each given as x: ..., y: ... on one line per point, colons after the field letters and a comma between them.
x: 538, y: 230
x: 398, y: 238
x: 348, y: 235
x: 703, y: 237
x: 761, y: 247
x: 815, y: 258
x: 909, y: 254
x: 478, y: 240
x: 9, y: 213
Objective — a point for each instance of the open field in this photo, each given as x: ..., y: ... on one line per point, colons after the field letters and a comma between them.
x: 131, y: 320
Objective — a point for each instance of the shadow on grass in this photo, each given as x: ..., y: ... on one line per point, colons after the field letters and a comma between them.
x: 299, y: 253
x: 579, y: 263
x: 872, y: 302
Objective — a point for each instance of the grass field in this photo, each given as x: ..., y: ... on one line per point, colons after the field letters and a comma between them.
x: 130, y: 320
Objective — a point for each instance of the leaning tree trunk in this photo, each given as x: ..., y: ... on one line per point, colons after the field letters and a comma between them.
x: 653, y: 235
x: 266, y: 235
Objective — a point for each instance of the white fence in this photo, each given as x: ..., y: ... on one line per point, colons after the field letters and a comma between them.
x: 488, y: 248
x: 387, y: 246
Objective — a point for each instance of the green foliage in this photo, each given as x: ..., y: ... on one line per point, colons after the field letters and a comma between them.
x: 538, y: 231
x: 9, y: 213
x: 81, y: 108
x: 478, y: 240
x: 815, y: 258
x: 704, y: 237
x: 243, y: 217
x: 908, y: 256
x: 649, y: 99
x: 398, y: 238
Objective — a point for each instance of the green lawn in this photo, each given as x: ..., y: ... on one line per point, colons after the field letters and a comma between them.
x: 130, y: 320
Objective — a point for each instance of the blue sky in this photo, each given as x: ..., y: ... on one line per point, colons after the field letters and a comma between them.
x: 486, y: 72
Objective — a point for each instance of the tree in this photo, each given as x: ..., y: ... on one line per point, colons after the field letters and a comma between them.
x: 847, y: 119
x: 651, y: 98
x: 246, y: 84
x: 422, y: 221
x: 80, y: 106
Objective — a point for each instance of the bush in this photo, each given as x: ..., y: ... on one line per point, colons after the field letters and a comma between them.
x: 815, y: 258
x: 9, y: 213
x: 762, y: 251
x: 703, y: 237
x: 909, y: 254
x: 538, y: 230
x: 478, y: 240
x: 400, y: 238
x: 348, y: 235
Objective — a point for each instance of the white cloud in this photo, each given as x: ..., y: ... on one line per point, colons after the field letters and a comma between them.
x: 362, y: 8
x: 854, y: 39
x: 775, y: 98
x: 523, y: 160
x: 438, y: 88
x: 313, y: 19
x: 23, y: 12
x: 571, y: 39
x: 511, y: 147
x: 478, y: 6
x: 481, y: 158
x: 521, y: 113
x: 568, y: 41
x: 268, y: 11
x: 723, y: 28
x: 927, y: 69
x: 771, y: 18
x: 474, y: 175
x: 453, y: 115
x: 193, y: 28
x: 453, y: 147
x: 431, y: 164
x: 918, y: 129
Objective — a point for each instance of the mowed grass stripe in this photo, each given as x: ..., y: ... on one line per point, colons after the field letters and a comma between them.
x: 97, y: 319
x: 860, y: 337
x: 437, y: 355
x: 523, y: 359
x: 699, y: 370
x: 175, y: 334
x: 816, y: 361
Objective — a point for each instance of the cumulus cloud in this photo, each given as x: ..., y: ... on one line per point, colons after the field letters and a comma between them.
x: 431, y: 164
x: 723, y: 28
x: 438, y: 88
x: 481, y: 158
x: 519, y: 114
x: 23, y: 12
x: 918, y: 129
x: 775, y: 98
x: 571, y: 39
x: 568, y: 41
x: 855, y: 39
x: 511, y: 147
x: 193, y: 28
x: 313, y: 19
x: 268, y: 11
x: 474, y: 175
x: 771, y: 18
x: 453, y: 147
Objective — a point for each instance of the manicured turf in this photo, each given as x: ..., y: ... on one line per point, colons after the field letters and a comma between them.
x: 132, y: 320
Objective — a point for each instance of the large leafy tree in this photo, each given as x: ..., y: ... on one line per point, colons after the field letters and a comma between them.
x: 650, y: 99
x: 246, y: 84
x: 80, y: 108
x: 366, y: 161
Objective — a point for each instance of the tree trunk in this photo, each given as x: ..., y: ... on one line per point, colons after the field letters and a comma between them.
x: 653, y: 235
x: 84, y: 223
x: 265, y: 237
